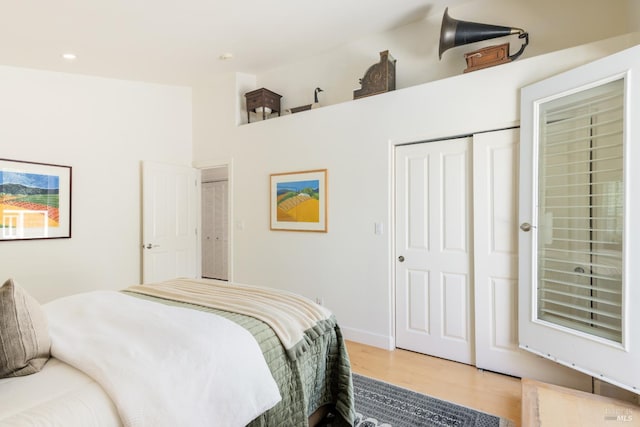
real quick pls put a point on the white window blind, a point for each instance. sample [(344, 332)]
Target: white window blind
[(580, 211)]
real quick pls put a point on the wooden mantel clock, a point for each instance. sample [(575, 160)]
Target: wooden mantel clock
[(379, 78)]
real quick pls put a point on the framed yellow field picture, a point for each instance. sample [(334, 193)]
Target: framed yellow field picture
[(299, 201)]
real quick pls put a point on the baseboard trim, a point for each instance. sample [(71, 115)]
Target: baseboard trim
[(368, 338)]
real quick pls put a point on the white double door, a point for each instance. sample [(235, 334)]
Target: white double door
[(457, 254)]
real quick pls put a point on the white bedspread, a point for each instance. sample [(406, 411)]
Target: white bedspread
[(163, 365)]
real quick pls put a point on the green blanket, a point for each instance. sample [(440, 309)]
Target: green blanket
[(320, 376)]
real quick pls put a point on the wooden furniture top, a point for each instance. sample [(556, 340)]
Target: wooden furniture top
[(262, 98), (551, 405)]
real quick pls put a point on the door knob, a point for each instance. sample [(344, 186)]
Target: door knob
[(401, 258), (525, 226), (149, 246)]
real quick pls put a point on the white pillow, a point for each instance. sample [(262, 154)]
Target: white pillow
[(24, 335)]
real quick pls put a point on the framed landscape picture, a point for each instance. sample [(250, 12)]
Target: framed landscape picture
[(35, 200), (299, 201)]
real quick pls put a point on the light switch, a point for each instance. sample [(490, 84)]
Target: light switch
[(378, 228)]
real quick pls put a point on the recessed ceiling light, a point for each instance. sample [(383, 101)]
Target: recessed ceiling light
[(226, 56), (69, 56)]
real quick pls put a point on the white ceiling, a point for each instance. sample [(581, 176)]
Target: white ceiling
[(180, 41)]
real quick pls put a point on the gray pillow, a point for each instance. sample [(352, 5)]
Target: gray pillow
[(24, 336)]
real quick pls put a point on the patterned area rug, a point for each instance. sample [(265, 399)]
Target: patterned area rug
[(380, 404)]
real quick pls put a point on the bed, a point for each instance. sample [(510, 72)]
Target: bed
[(291, 370)]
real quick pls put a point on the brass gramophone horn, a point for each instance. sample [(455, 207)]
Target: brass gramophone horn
[(456, 33)]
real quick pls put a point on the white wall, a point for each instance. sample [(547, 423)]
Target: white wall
[(350, 266), (552, 25), (103, 129)]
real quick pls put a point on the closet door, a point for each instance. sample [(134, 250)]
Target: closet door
[(214, 230), (495, 219), (579, 210), (434, 313)]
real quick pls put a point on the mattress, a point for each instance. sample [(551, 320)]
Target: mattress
[(57, 396)]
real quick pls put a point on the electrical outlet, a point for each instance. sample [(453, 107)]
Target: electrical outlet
[(319, 300)]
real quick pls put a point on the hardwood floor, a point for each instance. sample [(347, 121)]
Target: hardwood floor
[(465, 385)]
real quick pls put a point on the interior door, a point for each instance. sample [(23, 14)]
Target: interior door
[(580, 238), (169, 212), (434, 312), (214, 230), (495, 216)]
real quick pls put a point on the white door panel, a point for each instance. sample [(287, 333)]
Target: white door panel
[(418, 302), (454, 299), (454, 194), (433, 297), (169, 209)]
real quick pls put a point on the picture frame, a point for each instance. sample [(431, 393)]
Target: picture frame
[(299, 201), (35, 200)]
